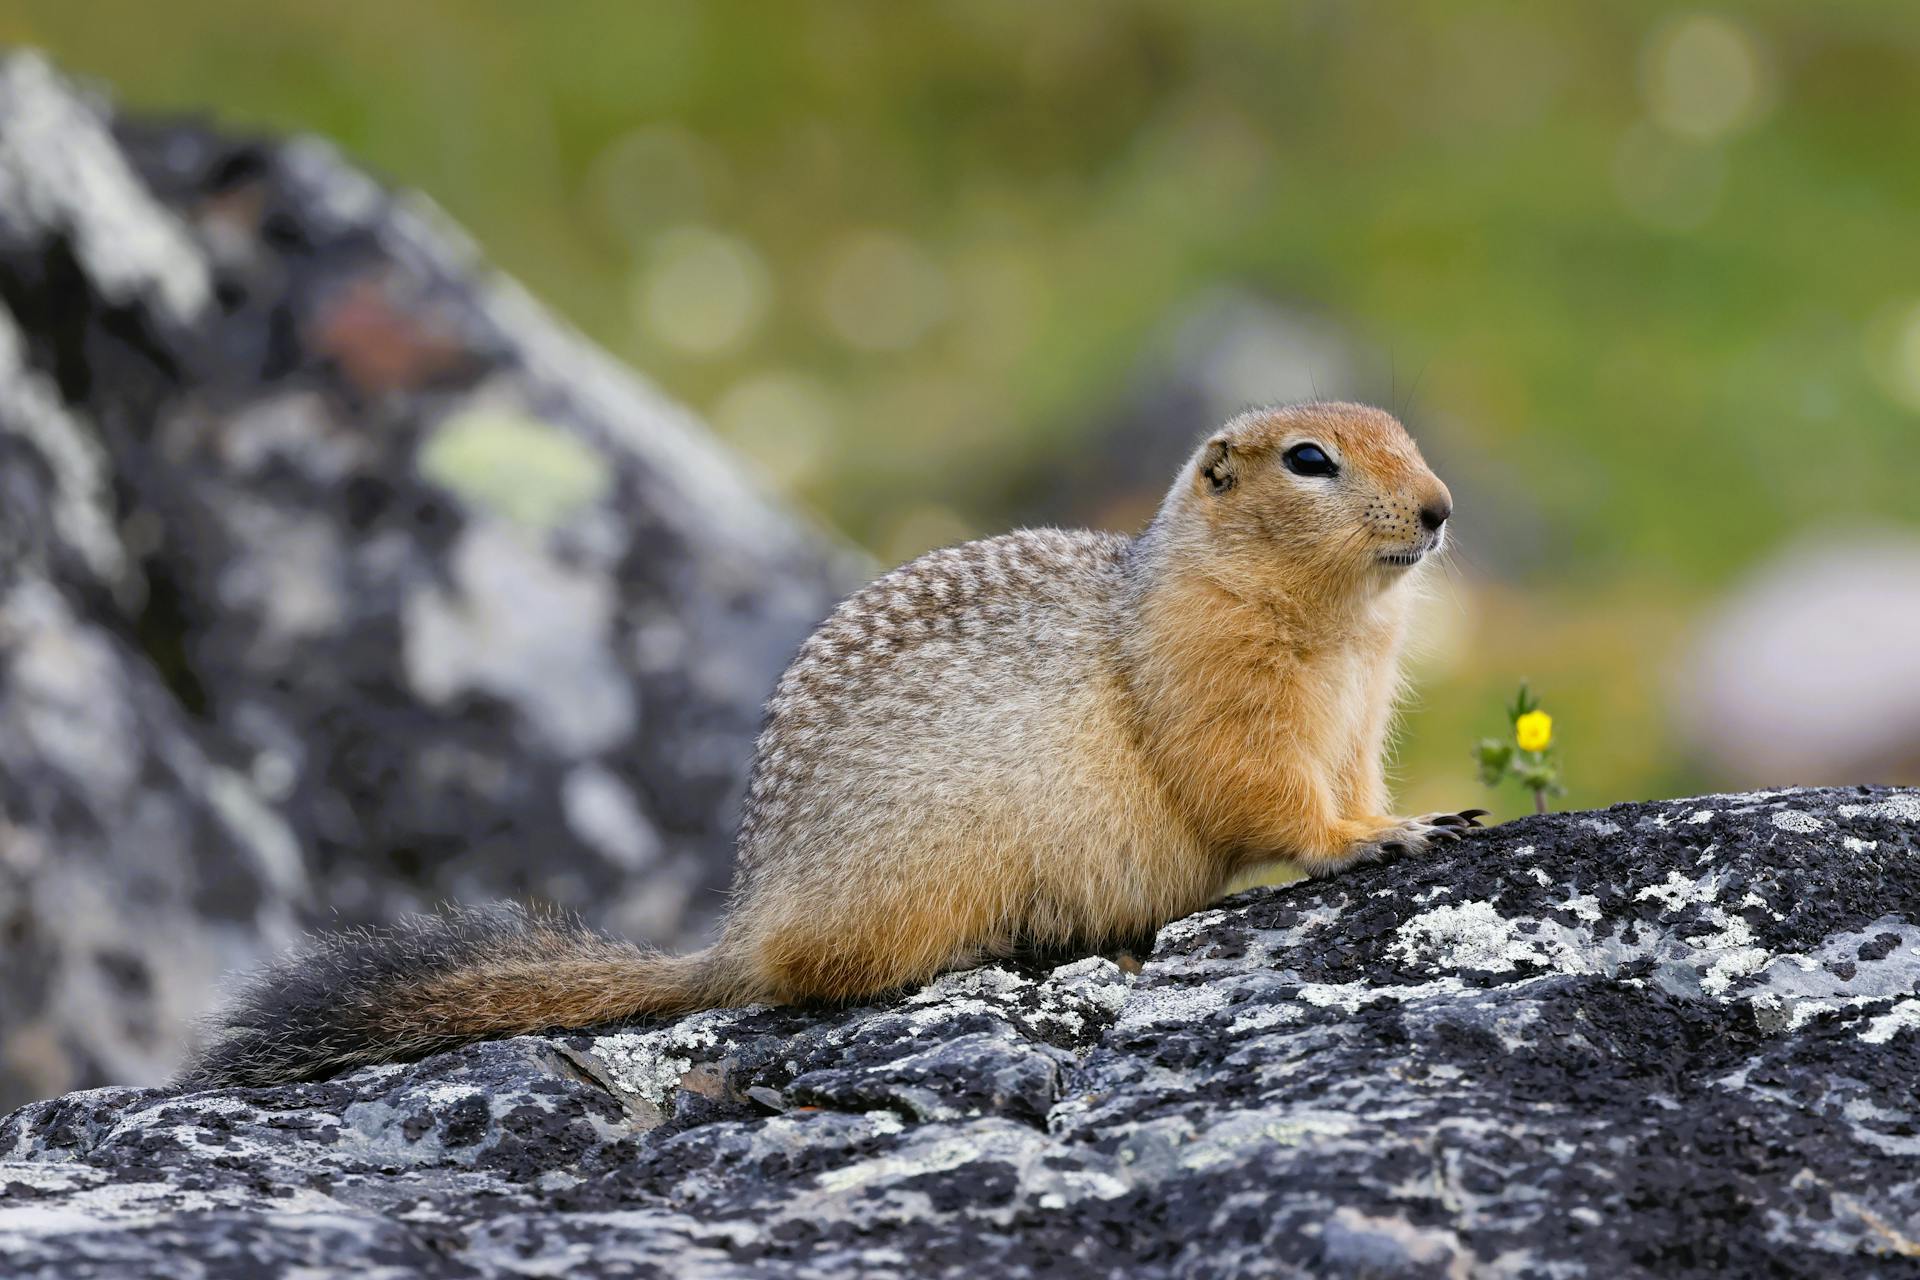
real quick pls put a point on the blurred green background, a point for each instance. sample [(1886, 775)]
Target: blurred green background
[(1644, 280)]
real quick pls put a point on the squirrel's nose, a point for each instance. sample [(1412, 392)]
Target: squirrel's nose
[(1435, 514)]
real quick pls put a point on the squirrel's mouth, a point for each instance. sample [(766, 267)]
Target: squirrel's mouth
[(1411, 556)]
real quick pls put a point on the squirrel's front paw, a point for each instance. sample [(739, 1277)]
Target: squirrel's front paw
[(1415, 835)]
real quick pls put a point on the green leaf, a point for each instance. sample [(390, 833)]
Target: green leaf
[(1493, 757)]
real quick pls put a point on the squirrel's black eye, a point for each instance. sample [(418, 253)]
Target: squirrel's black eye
[(1309, 460)]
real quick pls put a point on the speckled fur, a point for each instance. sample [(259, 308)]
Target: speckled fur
[(1049, 739)]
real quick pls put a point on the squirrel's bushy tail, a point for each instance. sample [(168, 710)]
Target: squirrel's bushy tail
[(435, 982)]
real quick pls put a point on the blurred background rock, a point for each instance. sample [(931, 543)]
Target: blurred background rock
[(1639, 276), (336, 579)]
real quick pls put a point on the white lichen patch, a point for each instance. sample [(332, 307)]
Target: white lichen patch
[(1735, 957), (1351, 996), (295, 427), (1095, 983), (987, 980), (1750, 799), (650, 1064), (1150, 1005), (82, 506), (292, 577), (1262, 1016), (1903, 1016), (1729, 951), (446, 1095), (1903, 807), (1584, 905), (1187, 928), (1854, 844), (1792, 988), (1475, 935), (62, 169), (65, 683), (528, 629), (937, 1157), (1700, 817), (1073, 997), (886, 1122), (1797, 821), (1678, 890)]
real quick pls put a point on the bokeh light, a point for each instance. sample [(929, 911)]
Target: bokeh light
[(783, 420), (1704, 77), (702, 292), (882, 292), (1895, 339)]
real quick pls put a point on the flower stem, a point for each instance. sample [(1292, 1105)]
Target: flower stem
[(1539, 799)]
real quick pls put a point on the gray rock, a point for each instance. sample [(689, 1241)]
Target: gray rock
[(1662, 1039), (341, 579), (134, 867)]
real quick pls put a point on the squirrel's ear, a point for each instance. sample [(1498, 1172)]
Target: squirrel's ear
[(1218, 466)]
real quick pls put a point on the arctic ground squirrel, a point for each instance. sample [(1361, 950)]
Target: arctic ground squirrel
[(1053, 741)]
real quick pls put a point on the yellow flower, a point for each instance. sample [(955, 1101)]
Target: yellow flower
[(1533, 731)]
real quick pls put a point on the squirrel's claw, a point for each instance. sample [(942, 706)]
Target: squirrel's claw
[(1456, 823), (1408, 835)]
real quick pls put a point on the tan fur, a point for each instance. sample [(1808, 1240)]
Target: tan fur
[(1046, 739), (564, 990)]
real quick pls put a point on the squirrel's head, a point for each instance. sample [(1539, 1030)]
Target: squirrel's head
[(1330, 498)]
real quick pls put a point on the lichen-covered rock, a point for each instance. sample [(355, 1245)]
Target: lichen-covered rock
[(134, 868), (341, 580), (1668, 1039)]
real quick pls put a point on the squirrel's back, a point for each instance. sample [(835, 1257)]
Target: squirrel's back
[(964, 643), (955, 740)]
